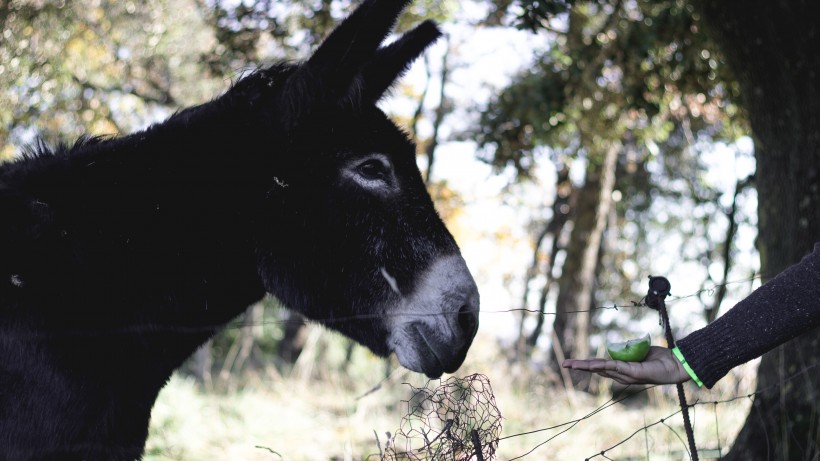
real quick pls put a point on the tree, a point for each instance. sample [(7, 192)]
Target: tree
[(772, 50), (575, 294), (624, 85), (763, 56), (552, 229)]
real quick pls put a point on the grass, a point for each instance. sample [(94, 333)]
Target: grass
[(320, 413)]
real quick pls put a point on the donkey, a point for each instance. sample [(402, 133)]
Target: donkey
[(120, 256)]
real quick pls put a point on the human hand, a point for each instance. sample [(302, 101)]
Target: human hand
[(659, 367)]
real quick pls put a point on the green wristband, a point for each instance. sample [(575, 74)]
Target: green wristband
[(679, 356)]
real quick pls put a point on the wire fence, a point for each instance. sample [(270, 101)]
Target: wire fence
[(240, 323), (458, 419), (638, 303), (429, 427)]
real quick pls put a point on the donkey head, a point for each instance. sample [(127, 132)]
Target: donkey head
[(358, 245)]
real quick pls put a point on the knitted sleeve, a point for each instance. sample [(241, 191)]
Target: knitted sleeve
[(783, 308)]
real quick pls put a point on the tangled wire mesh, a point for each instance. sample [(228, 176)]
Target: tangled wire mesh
[(457, 420)]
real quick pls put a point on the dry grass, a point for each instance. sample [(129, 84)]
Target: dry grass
[(321, 414)]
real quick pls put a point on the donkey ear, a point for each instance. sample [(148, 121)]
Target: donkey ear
[(392, 61), (340, 58)]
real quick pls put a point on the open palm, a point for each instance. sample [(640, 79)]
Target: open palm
[(659, 367)]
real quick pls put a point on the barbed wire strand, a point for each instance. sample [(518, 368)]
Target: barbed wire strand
[(750, 396), (692, 454), (447, 443), (614, 400), (614, 306), (239, 324), (644, 428)]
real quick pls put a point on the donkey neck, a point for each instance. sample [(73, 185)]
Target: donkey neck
[(172, 208)]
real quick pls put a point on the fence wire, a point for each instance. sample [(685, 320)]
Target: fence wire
[(432, 428), (239, 323), (457, 420)]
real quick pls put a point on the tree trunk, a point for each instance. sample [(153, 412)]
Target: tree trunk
[(441, 111), (245, 341), (521, 349), (293, 338), (560, 215), (572, 319), (772, 48), (711, 312), (203, 362)]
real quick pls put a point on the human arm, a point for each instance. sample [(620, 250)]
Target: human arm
[(783, 308)]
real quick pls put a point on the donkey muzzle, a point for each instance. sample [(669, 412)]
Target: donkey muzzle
[(436, 323)]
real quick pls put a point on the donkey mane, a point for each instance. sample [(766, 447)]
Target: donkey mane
[(41, 148)]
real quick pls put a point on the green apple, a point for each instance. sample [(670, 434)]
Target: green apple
[(634, 350)]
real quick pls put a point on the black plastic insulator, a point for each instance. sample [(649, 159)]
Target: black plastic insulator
[(658, 291)]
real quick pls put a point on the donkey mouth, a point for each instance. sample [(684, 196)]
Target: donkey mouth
[(434, 367), (420, 351)]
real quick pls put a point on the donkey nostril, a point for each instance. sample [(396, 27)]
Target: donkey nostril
[(468, 320)]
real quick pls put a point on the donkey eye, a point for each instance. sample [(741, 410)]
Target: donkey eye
[(374, 170)]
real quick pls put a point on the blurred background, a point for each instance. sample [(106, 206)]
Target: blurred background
[(573, 147)]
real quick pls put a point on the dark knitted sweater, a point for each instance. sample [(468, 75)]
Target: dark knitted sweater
[(783, 308)]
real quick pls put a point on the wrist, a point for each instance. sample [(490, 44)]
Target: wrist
[(688, 369)]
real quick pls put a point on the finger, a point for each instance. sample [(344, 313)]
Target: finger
[(602, 364), (588, 365)]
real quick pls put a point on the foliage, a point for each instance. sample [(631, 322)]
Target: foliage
[(97, 66), (104, 67), (643, 71), (642, 77)]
